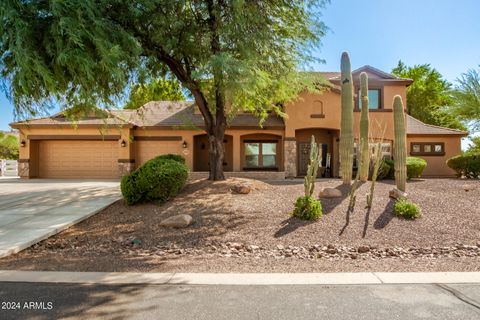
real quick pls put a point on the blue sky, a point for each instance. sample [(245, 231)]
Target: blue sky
[(444, 33)]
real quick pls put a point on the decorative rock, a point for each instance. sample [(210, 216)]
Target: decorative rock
[(280, 247), (241, 189), (178, 221), (330, 193), (397, 194), (468, 187), (363, 249)]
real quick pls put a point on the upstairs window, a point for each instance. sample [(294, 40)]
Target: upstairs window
[(373, 99)]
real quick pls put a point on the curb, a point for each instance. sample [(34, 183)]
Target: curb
[(360, 278)]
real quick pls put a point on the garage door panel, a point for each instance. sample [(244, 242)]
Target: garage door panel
[(146, 150), (78, 159)]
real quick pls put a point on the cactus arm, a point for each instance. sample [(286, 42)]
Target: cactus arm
[(399, 152), (364, 123), (346, 128)]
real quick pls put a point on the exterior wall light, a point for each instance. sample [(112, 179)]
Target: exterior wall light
[(23, 144), (184, 144), (123, 144)]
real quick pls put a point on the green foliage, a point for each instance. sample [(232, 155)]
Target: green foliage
[(467, 98), (406, 209), (309, 180), (467, 165), (386, 170), (158, 179), (156, 90), (346, 130), (428, 96), (307, 208), (86, 52), (415, 167), (8, 147), (474, 146)]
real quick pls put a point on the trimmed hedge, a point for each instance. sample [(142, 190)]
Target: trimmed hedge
[(415, 167), (467, 166), (158, 179)]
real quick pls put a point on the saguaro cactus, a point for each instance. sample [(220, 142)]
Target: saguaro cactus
[(364, 155), (312, 170), (400, 153), (346, 128)]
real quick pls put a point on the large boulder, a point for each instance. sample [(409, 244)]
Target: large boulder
[(330, 193), (397, 194), (241, 189), (178, 221)]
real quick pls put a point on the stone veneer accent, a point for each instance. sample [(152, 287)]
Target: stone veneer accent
[(125, 168), (290, 156), (260, 175), (24, 168)]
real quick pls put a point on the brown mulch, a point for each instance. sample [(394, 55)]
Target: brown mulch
[(254, 232)]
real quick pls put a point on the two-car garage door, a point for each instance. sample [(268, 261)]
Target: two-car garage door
[(77, 159)]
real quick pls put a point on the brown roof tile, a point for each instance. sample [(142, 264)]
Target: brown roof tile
[(417, 127)]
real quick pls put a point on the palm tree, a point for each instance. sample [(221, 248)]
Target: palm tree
[(467, 98)]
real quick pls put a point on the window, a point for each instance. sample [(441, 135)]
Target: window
[(427, 148), (373, 99), (260, 154)]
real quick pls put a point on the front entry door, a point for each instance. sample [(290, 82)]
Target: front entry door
[(303, 150)]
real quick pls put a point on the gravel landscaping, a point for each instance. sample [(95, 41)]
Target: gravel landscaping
[(254, 232)]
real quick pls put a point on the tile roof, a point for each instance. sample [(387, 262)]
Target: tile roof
[(182, 113), (59, 119), (415, 126)]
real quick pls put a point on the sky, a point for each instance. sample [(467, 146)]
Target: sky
[(444, 33)]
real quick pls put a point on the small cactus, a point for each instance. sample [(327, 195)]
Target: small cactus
[(309, 181), (346, 128), (399, 152), (364, 154)]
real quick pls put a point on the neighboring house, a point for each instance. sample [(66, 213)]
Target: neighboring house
[(116, 145)]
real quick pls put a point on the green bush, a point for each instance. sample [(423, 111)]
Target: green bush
[(467, 166), (415, 167), (385, 170), (307, 208), (158, 179), (171, 156), (406, 209)]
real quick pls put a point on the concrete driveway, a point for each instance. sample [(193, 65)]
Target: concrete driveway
[(32, 210)]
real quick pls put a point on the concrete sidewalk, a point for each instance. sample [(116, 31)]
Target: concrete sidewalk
[(33, 210)]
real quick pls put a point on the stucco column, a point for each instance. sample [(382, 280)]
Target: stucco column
[(126, 152), (290, 158)]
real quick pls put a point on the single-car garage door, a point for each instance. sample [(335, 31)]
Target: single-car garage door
[(78, 159), (146, 150)]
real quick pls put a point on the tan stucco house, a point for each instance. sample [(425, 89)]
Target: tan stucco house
[(113, 146)]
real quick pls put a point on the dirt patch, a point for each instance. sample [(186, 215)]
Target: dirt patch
[(255, 233)]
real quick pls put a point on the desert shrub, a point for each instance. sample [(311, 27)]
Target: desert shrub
[(467, 166), (415, 167), (307, 208), (384, 170), (406, 209), (158, 179)]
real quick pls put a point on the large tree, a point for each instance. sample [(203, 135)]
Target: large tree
[(243, 54), (428, 97), (8, 146), (467, 98), (154, 90)]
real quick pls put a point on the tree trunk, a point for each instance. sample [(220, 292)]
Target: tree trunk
[(216, 154)]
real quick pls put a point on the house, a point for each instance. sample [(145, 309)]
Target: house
[(114, 145)]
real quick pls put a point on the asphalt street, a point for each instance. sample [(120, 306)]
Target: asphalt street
[(78, 301)]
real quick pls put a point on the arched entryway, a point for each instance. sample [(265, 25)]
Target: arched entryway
[(326, 139), (200, 153)]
